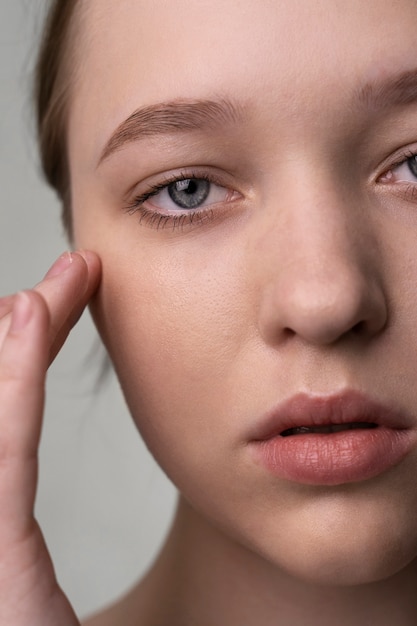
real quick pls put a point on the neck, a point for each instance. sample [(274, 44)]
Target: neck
[(206, 578)]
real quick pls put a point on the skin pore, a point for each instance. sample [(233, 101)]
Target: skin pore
[(297, 274)]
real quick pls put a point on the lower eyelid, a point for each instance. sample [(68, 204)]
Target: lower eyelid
[(154, 216)]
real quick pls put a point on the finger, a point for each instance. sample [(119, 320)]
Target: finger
[(32, 334), (66, 289), (23, 365), (6, 305)]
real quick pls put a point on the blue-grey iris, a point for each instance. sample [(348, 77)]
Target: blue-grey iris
[(189, 193)]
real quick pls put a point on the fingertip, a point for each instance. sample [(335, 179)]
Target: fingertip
[(61, 264), (84, 260), (92, 260)]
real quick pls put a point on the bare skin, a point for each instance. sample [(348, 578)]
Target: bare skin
[(297, 275), (33, 327), (202, 578)]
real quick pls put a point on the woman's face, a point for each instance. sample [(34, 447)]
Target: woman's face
[(279, 272)]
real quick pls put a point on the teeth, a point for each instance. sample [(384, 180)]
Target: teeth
[(331, 428)]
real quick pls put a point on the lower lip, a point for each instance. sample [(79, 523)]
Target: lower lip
[(335, 458)]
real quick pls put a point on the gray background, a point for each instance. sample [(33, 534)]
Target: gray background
[(103, 504)]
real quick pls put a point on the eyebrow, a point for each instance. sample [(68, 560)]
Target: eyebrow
[(176, 116), (179, 116), (393, 91)]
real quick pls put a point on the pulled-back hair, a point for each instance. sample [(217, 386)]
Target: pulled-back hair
[(51, 93)]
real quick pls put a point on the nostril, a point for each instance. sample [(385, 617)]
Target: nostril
[(359, 328), (322, 303), (288, 333)]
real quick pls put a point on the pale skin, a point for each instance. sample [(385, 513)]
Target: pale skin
[(298, 274)]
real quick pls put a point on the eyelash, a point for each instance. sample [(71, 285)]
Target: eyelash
[(159, 220), (403, 158)]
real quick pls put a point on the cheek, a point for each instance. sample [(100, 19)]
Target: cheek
[(174, 323)]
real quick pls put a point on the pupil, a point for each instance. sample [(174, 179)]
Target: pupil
[(412, 165), (190, 193)]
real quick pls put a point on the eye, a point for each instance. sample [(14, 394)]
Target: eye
[(187, 194), (405, 171), (183, 199)]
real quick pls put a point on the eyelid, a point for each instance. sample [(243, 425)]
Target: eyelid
[(402, 188), (394, 160), (138, 196), (159, 218)]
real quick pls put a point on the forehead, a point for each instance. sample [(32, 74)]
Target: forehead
[(278, 54)]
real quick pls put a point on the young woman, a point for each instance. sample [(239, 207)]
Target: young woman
[(241, 178)]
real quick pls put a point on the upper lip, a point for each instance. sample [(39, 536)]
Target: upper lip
[(320, 410)]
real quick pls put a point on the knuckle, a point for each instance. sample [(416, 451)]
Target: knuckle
[(40, 305), (16, 453), (10, 374)]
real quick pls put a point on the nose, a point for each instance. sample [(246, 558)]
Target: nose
[(324, 280)]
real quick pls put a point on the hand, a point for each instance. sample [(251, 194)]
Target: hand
[(33, 326)]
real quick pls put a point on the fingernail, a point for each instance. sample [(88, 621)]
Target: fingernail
[(21, 313), (60, 265)]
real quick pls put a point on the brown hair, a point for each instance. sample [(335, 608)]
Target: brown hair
[(51, 94)]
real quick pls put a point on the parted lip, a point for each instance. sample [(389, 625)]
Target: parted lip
[(319, 410)]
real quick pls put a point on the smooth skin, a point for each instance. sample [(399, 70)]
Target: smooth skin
[(33, 326), (300, 277)]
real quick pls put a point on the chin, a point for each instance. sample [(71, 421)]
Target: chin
[(336, 537), (349, 552), (343, 569)]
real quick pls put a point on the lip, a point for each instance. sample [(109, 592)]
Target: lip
[(332, 458)]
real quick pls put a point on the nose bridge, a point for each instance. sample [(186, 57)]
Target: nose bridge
[(324, 280)]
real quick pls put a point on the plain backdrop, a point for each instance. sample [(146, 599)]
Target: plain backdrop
[(102, 502)]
